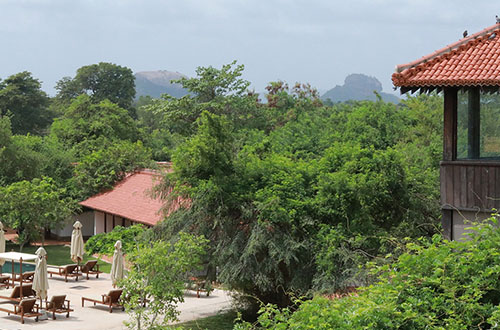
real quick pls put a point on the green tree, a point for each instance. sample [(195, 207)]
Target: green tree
[(85, 125), (100, 169), (434, 284), (218, 91), (303, 207), (22, 99), (102, 81), (31, 207), (158, 276)]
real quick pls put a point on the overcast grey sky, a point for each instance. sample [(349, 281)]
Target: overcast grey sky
[(315, 41)]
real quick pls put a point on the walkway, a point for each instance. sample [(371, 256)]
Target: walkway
[(92, 318)]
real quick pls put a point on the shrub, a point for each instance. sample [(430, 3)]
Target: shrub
[(103, 243), (434, 285)]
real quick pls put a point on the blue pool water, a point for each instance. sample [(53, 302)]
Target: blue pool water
[(7, 267)]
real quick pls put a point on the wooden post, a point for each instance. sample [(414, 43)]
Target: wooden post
[(21, 274), (449, 148), (473, 124), (447, 223), (450, 124)]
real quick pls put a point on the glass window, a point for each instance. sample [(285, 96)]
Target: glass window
[(489, 147)]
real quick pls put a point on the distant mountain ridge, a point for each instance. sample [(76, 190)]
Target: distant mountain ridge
[(156, 83), (358, 87)]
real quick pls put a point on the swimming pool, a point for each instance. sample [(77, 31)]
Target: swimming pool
[(7, 267)]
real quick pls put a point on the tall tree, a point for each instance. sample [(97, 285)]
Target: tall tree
[(32, 207), (218, 91), (85, 122), (22, 99), (103, 81)]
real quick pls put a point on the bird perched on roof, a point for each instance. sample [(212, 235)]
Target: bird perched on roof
[(498, 19), (465, 34)]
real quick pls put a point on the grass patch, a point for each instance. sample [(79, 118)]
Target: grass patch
[(58, 255), (223, 321)]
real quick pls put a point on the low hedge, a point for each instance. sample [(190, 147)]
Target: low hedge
[(103, 243)]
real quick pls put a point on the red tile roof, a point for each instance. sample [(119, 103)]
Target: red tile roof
[(131, 199), (471, 61)]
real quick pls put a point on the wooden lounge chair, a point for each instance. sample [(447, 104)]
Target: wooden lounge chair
[(112, 299), (15, 295), (26, 277), (66, 271), (58, 304), (4, 281), (25, 308), (90, 267)]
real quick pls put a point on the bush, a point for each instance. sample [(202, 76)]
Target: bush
[(434, 285), (103, 243)]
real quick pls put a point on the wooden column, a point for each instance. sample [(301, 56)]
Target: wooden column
[(450, 124), (447, 223), (473, 124), (449, 150)]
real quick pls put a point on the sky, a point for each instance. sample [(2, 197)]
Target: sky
[(312, 41)]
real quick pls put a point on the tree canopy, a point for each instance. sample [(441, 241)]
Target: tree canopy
[(102, 81), (22, 99)]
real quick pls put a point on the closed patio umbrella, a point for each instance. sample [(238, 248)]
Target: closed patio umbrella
[(117, 268), (2, 244), (40, 280), (77, 242)]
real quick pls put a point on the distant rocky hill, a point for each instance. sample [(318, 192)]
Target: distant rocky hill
[(156, 83), (358, 87)]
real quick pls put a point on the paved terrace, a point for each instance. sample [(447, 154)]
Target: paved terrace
[(98, 317)]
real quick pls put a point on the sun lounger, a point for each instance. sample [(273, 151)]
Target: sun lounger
[(58, 304), (90, 267), (66, 271), (25, 308), (112, 299), (26, 277), (4, 281), (15, 294)]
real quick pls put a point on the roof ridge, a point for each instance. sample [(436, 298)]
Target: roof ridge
[(449, 48)]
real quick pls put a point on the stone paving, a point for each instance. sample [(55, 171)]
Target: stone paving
[(98, 317)]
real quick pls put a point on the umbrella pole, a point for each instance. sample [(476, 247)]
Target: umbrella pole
[(21, 276), (12, 274)]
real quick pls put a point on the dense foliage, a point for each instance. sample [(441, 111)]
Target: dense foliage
[(31, 207), (104, 243), (79, 143), (22, 99), (433, 285), (158, 277), (299, 201), (293, 195)]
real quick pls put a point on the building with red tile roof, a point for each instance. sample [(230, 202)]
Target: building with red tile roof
[(466, 72), (471, 61), (129, 202), (130, 199)]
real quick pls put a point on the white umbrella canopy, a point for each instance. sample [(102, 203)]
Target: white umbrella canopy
[(117, 268), (2, 243), (77, 242), (40, 279)]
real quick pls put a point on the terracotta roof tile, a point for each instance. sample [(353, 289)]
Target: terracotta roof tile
[(131, 199), (472, 61)]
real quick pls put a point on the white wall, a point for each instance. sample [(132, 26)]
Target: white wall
[(98, 222), (462, 220), (87, 220)]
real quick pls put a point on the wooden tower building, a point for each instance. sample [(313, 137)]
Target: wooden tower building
[(467, 72)]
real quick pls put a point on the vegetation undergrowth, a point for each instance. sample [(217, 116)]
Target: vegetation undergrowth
[(435, 284)]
